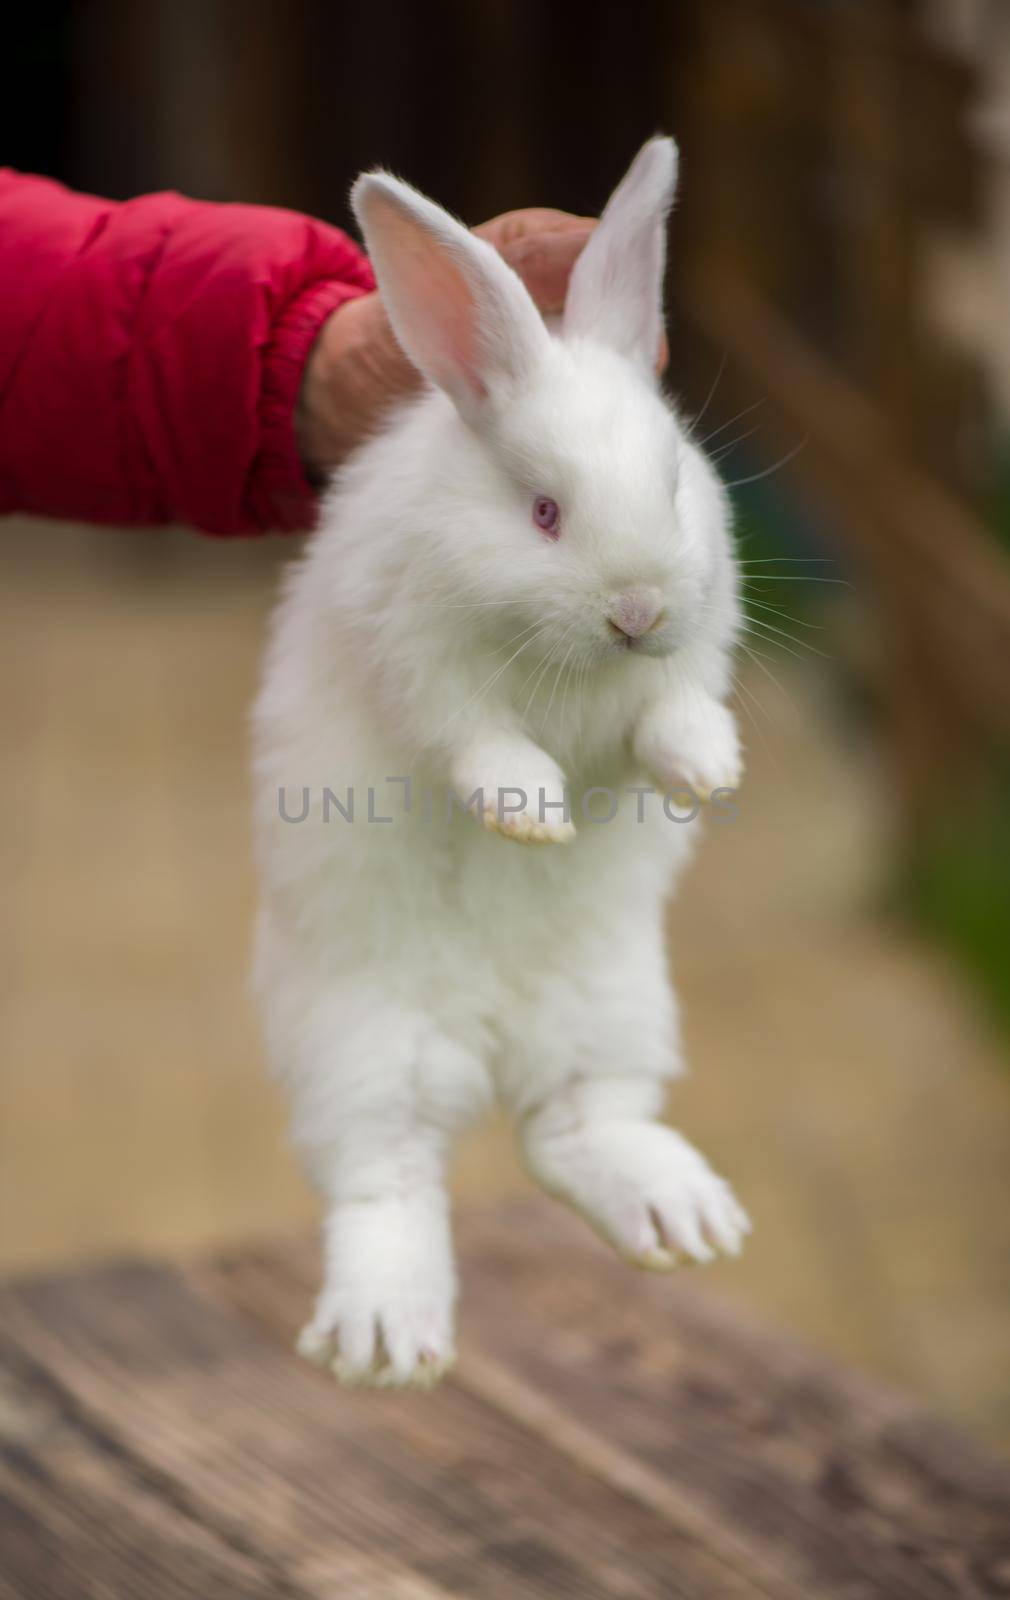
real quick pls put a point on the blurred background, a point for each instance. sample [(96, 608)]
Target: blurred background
[(840, 326)]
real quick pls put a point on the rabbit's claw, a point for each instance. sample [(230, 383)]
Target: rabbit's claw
[(648, 1191), (527, 829)]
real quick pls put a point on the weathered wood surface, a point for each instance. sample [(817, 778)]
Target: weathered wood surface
[(606, 1435)]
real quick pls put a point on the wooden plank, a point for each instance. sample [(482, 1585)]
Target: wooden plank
[(254, 1445), (273, 1294), (844, 1487), (829, 1485), (607, 1435), (79, 1517)]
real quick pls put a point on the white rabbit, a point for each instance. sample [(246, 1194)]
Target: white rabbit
[(525, 582)]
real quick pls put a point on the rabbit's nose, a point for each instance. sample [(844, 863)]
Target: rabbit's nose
[(636, 611)]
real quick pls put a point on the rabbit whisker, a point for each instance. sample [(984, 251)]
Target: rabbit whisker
[(727, 449), (485, 686), (751, 580), (711, 393), (554, 651), (781, 633), (759, 659), (747, 700), (557, 680), (786, 615), (755, 477), (738, 418)]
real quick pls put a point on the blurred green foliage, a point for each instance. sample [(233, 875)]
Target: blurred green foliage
[(960, 891)]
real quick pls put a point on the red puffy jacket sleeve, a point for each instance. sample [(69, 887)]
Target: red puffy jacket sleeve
[(151, 354)]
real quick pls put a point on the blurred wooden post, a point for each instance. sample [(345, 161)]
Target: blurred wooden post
[(809, 136)]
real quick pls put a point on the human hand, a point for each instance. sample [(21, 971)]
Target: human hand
[(356, 367)]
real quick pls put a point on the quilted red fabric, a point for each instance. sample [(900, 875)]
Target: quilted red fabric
[(151, 353)]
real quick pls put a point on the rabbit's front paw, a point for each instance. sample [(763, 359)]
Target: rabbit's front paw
[(649, 1192), (694, 746), (535, 817), (384, 1317), (522, 794)]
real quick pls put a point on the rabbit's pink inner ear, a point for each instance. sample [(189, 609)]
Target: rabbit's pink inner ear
[(430, 301), (459, 343), (462, 316)]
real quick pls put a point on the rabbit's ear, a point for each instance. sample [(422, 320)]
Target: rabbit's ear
[(463, 317), (615, 295)]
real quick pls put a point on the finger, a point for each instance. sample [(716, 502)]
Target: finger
[(514, 225), (543, 246), (544, 261)]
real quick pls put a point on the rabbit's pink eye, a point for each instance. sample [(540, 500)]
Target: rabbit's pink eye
[(547, 516)]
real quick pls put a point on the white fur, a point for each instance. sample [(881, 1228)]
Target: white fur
[(411, 971)]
